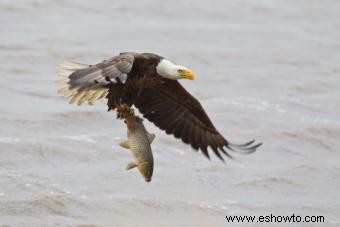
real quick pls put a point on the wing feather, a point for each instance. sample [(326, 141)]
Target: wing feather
[(82, 83), (171, 108), (186, 132)]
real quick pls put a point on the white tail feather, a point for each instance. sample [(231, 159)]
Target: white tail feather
[(74, 96), (73, 66)]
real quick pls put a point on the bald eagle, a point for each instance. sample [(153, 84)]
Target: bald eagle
[(150, 83)]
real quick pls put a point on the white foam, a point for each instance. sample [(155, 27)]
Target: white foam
[(82, 137), (9, 140)]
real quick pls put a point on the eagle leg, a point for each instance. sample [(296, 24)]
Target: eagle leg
[(124, 111)]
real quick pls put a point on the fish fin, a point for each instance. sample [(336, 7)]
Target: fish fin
[(125, 144), (151, 137), (131, 165)]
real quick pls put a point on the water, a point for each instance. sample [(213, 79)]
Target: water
[(265, 70)]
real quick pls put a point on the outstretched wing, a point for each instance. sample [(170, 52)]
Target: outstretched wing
[(82, 83), (171, 108)]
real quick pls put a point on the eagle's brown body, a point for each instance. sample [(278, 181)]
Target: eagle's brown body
[(142, 76)]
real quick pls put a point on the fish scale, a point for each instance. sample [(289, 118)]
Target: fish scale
[(140, 146)]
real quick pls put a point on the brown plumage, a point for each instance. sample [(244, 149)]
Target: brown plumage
[(132, 79)]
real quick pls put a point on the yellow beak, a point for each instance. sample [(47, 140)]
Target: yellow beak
[(188, 74)]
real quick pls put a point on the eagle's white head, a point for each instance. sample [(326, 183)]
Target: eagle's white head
[(167, 69)]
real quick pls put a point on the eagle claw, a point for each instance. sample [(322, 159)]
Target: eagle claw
[(124, 111)]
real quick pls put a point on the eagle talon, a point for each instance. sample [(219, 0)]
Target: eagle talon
[(124, 111)]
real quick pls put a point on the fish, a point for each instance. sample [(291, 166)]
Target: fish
[(139, 142)]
